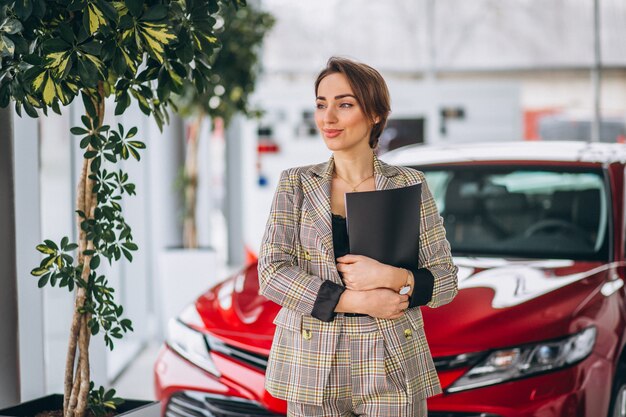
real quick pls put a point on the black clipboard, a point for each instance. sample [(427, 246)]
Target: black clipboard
[(385, 225)]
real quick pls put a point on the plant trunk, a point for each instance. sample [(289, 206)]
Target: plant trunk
[(76, 391), (190, 229)]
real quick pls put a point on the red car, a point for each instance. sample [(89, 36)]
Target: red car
[(537, 329)]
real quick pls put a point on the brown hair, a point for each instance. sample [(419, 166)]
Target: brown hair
[(368, 86)]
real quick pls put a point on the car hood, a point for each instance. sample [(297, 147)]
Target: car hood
[(500, 303), (510, 302)]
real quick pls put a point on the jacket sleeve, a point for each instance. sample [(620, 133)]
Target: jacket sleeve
[(281, 280), (436, 279)]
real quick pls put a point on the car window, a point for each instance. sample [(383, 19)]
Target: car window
[(523, 211)]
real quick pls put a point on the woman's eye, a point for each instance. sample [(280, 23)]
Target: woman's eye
[(346, 105), (319, 106)]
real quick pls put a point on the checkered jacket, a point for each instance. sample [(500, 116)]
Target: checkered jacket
[(296, 256)]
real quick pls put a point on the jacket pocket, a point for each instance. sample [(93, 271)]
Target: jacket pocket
[(299, 361), (289, 320)]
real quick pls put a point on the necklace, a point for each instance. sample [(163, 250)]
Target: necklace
[(354, 187)]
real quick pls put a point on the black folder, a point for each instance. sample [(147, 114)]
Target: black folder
[(385, 225)]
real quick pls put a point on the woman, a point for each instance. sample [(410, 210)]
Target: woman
[(349, 340)]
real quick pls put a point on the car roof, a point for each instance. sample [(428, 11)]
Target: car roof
[(558, 151)]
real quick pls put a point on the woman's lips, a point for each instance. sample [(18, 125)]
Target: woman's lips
[(332, 133)]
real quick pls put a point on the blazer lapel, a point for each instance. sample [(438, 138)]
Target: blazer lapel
[(316, 183), (386, 176)]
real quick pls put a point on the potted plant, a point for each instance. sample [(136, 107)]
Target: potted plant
[(235, 67), (50, 53)]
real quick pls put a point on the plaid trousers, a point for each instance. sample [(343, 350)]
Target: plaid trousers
[(365, 379)]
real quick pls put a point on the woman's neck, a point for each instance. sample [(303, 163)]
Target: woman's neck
[(354, 167)]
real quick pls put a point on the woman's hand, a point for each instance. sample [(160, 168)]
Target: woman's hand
[(384, 303), (361, 273)]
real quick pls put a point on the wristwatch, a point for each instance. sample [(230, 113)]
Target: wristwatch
[(406, 288)]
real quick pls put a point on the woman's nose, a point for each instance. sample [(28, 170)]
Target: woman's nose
[(330, 116)]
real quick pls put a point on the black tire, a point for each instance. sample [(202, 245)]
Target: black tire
[(617, 407)]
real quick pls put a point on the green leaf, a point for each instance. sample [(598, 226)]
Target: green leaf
[(92, 47), (132, 132), (110, 157), (87, 122), (109, 11), (38, 271), (93, 19), (155, 13), (12, 26), (126, 324), (213, 6), (95, 165), (135, 7), (23, 9), (78, 131), (43, 281), (185, 53), (7, 47), (84, 143), (56, 108), (5, 94), (95, 329), (123, 102), (89, 105), (137, 144), (119, 63), (55, 45), (67, 34), (118, 401), (34, 59), (64, 242), (88, 72), (127, 255), (45, 249), (94, 263), (51, 244)]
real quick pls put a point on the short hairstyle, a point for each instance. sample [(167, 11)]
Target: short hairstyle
[(368, 86)]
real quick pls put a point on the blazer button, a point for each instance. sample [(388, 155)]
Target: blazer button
[(408, 333), (306, 334)]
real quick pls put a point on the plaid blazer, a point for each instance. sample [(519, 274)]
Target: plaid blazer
[(297, 255)]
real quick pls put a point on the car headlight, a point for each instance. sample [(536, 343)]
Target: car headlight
[(522, 361), (191, 345)]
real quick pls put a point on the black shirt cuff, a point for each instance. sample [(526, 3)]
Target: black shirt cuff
[(327, 300), (424, 281)]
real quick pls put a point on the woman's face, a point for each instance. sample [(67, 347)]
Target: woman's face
[(339, 117)]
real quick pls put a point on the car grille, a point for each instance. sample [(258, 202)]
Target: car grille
[(253, 359), (445, 414), (195, 404), (260, 361)]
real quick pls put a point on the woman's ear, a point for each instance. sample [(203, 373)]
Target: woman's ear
[(376, 120)]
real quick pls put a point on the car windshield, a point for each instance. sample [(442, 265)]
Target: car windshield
[(530, 212)]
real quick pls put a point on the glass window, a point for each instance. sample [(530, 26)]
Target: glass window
[(530, 212)]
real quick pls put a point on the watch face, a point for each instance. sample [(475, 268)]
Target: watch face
[(405, 289)]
